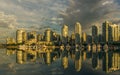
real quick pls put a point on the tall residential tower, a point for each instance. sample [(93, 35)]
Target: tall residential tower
[(78, 32), (113, 33), (64, 34), (21, 36), (95, 33), (105, 32), (64, 31)]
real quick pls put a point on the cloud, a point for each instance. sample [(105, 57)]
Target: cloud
[(107, 2), (7, 21), (8, 26), (89, 12), (33, 12), (116, 21), (56, 19)]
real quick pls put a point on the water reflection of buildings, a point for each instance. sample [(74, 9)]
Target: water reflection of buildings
[(111, 61), (95, 60), (78, 60), (65, 59), (29, 46)]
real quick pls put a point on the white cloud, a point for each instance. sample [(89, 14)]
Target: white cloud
[(7, 21), (107, 2), (19, 0), (29, 12), (56, 19)]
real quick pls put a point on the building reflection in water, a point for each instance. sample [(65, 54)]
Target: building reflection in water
[(95, 60), (78, 60), (96, 53), (111, 61), (65, 59)]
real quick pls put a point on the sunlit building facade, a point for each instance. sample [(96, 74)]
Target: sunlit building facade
[(105, 28), (39, 37), (113, 33), (78, 28), (64, 34), (84, 37), (24, 36), (64, 31), (20, 36), (78, 31), (48, 35)]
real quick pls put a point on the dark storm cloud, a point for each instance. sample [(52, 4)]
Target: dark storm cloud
[(89, 12), (118, 1)]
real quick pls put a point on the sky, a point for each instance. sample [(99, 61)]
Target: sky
[(42, 14)]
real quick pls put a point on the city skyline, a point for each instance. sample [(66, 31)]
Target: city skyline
[(59, 37), (41, 14), (110, 33)]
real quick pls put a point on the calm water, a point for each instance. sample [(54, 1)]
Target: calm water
[(8, 66)]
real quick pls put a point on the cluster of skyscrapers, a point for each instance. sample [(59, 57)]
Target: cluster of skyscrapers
[(32, 37), (79, 45), (110, 33)]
